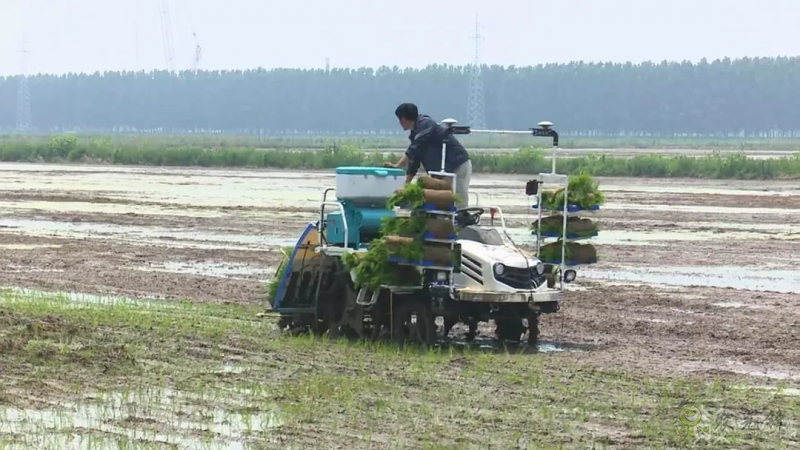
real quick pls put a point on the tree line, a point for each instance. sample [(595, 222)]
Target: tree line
[(748, 97)]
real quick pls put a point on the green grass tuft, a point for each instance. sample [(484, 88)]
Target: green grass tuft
[(527, 160), (190, 375)]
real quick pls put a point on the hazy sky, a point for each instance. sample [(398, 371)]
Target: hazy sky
[(89, 35)]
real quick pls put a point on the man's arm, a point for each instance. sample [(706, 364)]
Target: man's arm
[(413, 167), (414, 151)]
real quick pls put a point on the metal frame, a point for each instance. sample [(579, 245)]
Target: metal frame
[(449, 130), (320, 227), (544, 130)]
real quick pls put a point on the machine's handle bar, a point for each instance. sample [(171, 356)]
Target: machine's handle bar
[(340, 207), (536, 132), (544, 130), (322, 211), (477, 198)]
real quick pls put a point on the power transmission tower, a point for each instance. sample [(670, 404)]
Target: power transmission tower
[(198, 51), (24, 121), (475, 114), (198, 54), (166, 35)]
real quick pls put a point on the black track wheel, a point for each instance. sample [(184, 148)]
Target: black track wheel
[(449, 323), (509, 330), (533, 329), (284, 322), (413, 321)]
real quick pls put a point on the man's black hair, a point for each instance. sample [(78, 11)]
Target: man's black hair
[(407, 111)]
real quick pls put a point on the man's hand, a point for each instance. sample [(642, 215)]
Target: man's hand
[(402, 163)]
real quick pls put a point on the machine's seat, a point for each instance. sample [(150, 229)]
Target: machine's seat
[(483, 235)]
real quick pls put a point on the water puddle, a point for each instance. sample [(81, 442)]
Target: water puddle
[(153, 416), (219, 270), (14, 268), (783, 281), (109, 208), (138, 234), (787, 391), (647, 319), (697, 190), (10, 294), (232, 368), (491, 344), (771, 374), (736, 305), (652, 238), (699, 209), (27, 246), (180, 188), (247, 187)]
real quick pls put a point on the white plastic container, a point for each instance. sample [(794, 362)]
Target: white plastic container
[(368, 184)]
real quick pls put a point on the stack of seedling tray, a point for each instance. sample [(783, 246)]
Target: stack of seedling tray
[(421, 238), (583, 198)]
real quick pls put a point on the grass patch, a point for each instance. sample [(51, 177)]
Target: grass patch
[(400, 141), (528, 160), (203, 374)]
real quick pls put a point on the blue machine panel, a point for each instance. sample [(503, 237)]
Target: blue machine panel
[(360, 221)]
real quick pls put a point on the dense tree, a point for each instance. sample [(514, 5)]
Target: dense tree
[(750, 96)]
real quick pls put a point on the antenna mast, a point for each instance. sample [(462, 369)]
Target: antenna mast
[(24, 121), (475, 114), (166, 35)]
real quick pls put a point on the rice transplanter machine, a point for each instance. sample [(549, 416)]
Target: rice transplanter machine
[(491, 278)]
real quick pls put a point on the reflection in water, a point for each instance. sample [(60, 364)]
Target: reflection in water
[(149, 416), (784, 281)]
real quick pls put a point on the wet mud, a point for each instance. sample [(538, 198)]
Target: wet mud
[(694, 276)]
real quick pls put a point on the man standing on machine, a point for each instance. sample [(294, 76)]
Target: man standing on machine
[(427, 138)]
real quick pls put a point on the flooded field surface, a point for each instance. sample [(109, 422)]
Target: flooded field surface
[(695, 277)]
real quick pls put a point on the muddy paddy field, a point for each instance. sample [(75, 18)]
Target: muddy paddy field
[(130, 301)]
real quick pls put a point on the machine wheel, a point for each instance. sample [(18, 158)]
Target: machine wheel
[(533, 329), (284, 322), (449, 323), (509, 330), (414, 322), (333, 300)]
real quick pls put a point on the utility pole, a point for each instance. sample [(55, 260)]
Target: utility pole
[(24, 121), (476, 117)]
